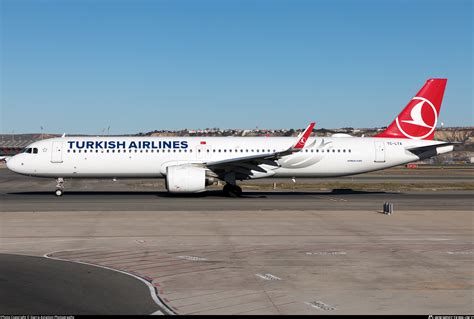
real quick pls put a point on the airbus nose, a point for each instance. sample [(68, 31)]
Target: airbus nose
[(13, 164)]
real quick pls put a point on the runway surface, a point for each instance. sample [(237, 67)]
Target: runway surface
[(21, 193), (265, 262), (284, 251), (215, 201), (35, 285)]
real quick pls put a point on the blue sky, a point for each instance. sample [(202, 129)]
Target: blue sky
[(82, 66)]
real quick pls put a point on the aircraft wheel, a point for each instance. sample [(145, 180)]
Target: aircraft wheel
[(232, 190), (237, 191), (59, 192), (226, 189)]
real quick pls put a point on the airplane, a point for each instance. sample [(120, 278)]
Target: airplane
[(190, 164)]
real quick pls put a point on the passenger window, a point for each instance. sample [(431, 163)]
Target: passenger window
[(339, 151), (35, 151), (69, 151)]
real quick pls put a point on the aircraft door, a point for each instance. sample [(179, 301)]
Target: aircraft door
[(57, 152), (379, 152)]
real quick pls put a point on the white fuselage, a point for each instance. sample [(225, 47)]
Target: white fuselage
[(148, 157)]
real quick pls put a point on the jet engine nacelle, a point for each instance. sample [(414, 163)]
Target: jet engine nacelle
[(185, 179)]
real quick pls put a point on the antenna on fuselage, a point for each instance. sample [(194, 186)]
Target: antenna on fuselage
[(64, 135)]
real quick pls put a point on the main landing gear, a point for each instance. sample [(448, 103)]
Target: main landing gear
[(59, 186), (232, 190)]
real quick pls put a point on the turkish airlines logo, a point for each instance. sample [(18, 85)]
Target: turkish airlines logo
[(420, 121)]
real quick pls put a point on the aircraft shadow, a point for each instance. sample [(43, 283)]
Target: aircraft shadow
[(209, 193)]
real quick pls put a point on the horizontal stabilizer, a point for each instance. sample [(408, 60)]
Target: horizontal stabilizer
[(432, 150)]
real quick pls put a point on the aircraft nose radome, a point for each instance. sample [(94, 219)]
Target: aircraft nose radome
[(12, 164)]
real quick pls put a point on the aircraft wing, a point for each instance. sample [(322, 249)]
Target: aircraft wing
[(243, 166)]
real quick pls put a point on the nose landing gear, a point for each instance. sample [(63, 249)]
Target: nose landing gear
[(59, 186)]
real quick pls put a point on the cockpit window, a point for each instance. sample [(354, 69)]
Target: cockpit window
[(31, 150)]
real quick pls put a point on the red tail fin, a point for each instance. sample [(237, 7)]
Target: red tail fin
[(418, 119)]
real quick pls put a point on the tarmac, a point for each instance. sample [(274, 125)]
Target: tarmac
[(34, 285), (270, 252)]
